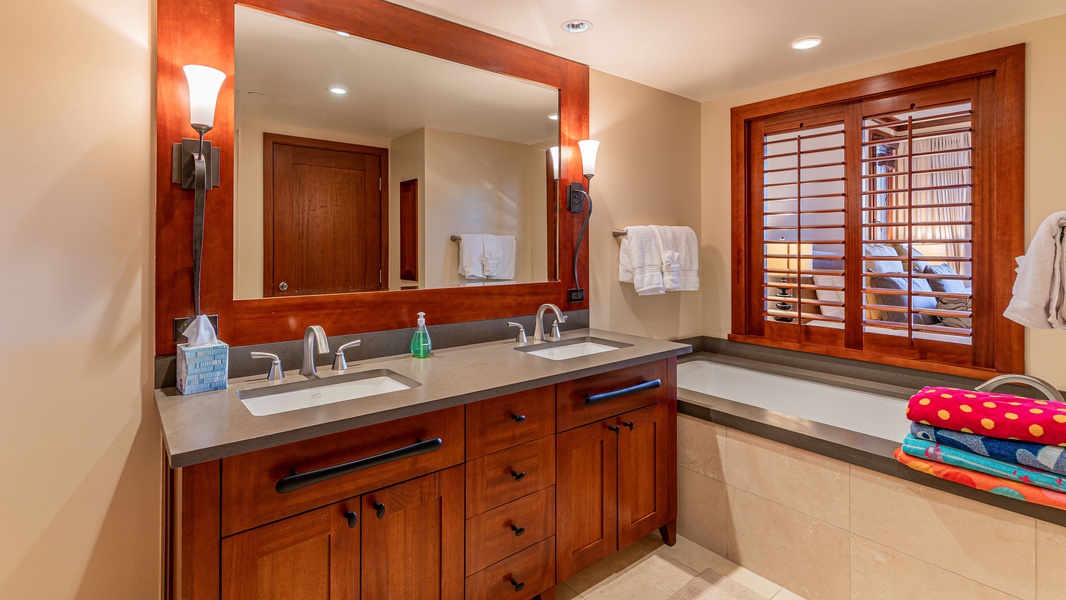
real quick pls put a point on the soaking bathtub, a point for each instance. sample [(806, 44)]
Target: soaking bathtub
[(861, 412)]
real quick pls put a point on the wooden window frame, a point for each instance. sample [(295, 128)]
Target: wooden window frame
[(1000, 350)]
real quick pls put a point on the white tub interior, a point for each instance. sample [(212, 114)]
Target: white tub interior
[(879, 416)]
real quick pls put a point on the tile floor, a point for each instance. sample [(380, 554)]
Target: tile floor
[(651, 570)]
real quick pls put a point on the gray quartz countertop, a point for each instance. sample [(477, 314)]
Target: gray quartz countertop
[(213, 425)]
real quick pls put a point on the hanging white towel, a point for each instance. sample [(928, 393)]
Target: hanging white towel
[(640, 262), (471, 249), (680, 258), (1040, 290), (502, 256)]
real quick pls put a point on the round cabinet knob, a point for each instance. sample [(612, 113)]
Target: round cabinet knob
[(518, 418), (518, 585), (283, 286), (518, 476), (353, 519), (379, 509), (517, 530)]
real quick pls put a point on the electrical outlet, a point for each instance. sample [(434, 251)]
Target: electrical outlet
[(575, 295), (181, 324)]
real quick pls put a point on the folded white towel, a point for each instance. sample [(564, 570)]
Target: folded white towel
[(499, 258), (680, 258), (471, 249), (640, 262), (1040, 290)]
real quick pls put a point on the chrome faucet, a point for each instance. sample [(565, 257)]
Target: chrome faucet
[(538, 333), (1042, 386), (314, 339)]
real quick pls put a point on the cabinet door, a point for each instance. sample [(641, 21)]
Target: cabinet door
[(647, 471), (413, 539), (311, 556), (586, 496)]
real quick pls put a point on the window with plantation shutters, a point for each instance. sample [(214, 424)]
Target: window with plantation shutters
[(884, 226)]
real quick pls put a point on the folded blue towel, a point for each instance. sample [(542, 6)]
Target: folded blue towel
[(982, 464), (1027, 454)]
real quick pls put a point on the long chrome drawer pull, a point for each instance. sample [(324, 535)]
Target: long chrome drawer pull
[(301, 480), (640, 387)]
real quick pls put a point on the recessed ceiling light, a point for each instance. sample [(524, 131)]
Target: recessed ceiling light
[(806, 43), (553, 117), (338, 90), (344, 34), (577, 26)]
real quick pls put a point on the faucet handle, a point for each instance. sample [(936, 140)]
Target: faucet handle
[(555, 335), (275, 373), (339, 364), (521, 336)]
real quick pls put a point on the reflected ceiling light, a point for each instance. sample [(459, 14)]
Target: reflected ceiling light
[(553, 117), (338, 90), (577, 26), (344, 34), (807, 43)]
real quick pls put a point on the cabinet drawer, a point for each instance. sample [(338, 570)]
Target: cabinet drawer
[(510, 420), (507, 475), (250, 495), (578, 403), (507, 529), (532, 569)]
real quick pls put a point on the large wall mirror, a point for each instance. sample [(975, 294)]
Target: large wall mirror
[(339, 124), (469, 156)]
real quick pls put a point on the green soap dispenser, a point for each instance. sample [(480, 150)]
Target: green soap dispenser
[(420, 343)]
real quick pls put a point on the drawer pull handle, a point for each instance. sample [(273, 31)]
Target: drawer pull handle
[(518, 418), (379, 508), (518, 585), (591, 399), (517, 530), (518, 476), (629, 425), (301, 480), (353, 519)]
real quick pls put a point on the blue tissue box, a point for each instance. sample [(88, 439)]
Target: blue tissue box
[(202, 369)]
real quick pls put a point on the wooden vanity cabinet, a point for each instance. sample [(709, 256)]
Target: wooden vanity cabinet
[(616, 476)]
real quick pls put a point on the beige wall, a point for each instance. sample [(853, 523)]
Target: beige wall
[(828, 530), (647, 173), (407, 161), (1044, 130), (79, 439)]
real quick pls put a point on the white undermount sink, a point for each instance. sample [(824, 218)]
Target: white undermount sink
[(327, 390), (575, 348)]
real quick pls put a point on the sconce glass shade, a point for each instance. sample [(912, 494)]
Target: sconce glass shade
[(588, 156), (555, 161), (204, 83)]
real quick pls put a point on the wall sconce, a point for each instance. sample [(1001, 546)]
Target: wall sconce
[(577, 198), (194, 163), (555, 161)]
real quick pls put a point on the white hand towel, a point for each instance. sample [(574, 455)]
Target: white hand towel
[(640, 262), (490, 259), (681, 258), (471, 249), (1040, 290), (505, 257)]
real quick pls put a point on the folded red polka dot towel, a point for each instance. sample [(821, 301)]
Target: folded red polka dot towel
[(996, 415)]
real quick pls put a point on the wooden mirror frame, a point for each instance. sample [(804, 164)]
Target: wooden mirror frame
[(201, 32)]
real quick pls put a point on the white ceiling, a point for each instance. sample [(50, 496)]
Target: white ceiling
[(706, 49)]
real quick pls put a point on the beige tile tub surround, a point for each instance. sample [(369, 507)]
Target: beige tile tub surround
[(987, 544), (881, 573), (1050, 561), (827, 529)]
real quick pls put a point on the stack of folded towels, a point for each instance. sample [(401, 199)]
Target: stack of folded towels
[(1004, 444)]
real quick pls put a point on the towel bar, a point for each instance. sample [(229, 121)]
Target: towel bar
[(456, 238), (618, 233)]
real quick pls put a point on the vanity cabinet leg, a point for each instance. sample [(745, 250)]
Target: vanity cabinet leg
[(669, 532)]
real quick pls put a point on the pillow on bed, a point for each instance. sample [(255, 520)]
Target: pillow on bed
[(900, 283), (955, 304), (951, 286), (878, 265), (829, 281), (918, 266)]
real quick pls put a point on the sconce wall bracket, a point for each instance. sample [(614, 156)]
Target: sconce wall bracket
[(183, 163), (575, 194)]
